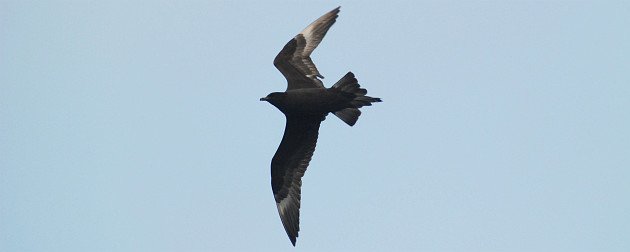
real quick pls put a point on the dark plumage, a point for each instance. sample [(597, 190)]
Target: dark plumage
[(305, 103)]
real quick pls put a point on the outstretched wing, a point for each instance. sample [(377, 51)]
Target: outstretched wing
[(294, 60), (288, 166)]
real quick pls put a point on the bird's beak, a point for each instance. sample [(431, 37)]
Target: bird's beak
[(263, 99)]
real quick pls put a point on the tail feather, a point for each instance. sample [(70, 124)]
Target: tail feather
[(348, 115), (349, 85)]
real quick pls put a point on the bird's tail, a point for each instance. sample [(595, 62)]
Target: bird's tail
[(349, 86)]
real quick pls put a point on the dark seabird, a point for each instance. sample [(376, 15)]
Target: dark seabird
[(305, 103)]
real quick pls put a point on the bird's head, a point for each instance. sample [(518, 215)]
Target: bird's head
[(274, 98)]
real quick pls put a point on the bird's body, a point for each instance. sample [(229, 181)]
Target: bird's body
[(305, 103), (312, 101)]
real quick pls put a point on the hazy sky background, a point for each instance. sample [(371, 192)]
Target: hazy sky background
[(136, 126)]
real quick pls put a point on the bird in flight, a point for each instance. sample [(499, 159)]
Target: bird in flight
[(305, 103)]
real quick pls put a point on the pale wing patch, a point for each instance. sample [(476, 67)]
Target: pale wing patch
[(315, 32)]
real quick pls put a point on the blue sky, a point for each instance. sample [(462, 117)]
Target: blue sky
[(136, 126)]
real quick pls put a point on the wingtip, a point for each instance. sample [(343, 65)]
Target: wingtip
[(293, 240), (336, 10)]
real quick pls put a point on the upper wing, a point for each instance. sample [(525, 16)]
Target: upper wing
[(288, 166), (294, 60)]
